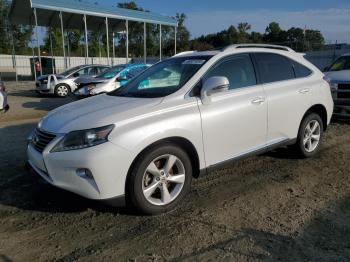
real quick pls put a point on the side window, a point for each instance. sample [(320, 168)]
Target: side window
[(300, 70), (92, 71), (136, 71), (100, 70), (83, 71), (238, 69), (273, 67)]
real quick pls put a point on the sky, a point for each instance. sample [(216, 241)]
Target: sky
[(331, 17)]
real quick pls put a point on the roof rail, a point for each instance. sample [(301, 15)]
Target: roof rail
[(185, 53), (267, 46)]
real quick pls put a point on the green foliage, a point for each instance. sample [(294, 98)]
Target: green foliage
[(297, 38), (21, 35)]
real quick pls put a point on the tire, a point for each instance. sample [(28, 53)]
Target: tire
[(62, 90), (308, 143), (150, 179)]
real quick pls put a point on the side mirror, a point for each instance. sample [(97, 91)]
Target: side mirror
[(213, 85)]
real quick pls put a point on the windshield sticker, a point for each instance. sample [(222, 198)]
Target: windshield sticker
[(193, 62)]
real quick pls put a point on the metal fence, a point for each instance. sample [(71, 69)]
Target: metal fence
[(20, 66)]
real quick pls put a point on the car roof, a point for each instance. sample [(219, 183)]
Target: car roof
[(347, 54)]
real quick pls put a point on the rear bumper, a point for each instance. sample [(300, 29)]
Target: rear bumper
[(43, 89)]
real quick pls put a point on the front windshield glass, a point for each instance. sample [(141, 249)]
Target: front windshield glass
[(163, 78), (342, 63), (71, 70), (111, 72)]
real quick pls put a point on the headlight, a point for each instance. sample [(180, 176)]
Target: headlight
[(83, 139)]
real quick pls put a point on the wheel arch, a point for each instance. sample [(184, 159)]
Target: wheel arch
[(321, 111), (182, 142)]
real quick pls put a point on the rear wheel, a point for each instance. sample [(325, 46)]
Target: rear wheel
[(310, 135), (160, 179), (62, 90)]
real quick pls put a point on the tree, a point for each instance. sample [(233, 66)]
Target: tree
[(243, 35), (297, 38), (21, 35), (183, 35), (314, 40), (273, 33), (255, 37)]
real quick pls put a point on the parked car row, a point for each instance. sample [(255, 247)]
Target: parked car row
[(109, 80), (144, 142), (87, 80)]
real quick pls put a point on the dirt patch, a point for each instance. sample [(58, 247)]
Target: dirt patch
[(269, 207)]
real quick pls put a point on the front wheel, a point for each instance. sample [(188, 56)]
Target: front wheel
[(310, 136), (160, 179), (62, 90)]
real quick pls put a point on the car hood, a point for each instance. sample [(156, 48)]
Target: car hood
[(95, 112), (338, 76)]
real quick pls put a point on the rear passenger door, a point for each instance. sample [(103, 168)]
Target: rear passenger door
[(288, 96), (234, 123)]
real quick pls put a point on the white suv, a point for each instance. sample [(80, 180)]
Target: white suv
[(182, 117)]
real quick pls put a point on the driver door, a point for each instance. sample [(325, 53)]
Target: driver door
[(234, 123)]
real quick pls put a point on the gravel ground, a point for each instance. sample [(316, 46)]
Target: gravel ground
[(269, 207)]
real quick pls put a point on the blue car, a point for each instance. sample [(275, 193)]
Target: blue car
[(108, 81)]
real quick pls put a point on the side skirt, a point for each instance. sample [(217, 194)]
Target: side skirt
[(268, 148)]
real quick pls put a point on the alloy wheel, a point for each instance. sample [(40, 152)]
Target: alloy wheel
[(163, 180), (312, 136)]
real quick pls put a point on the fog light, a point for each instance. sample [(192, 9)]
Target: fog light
[(84, 173)]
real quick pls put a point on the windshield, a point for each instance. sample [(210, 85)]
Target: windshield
[(163, 78), (71, 70), (342, 63), (111, 72)]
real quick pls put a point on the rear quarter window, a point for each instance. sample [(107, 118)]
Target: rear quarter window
[(273, 67), (300, 70)]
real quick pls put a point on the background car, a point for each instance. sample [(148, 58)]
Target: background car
[(338, 75), (63, 84), (3, 98), (108, 81)]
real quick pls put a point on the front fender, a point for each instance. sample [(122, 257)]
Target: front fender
[(179, 121)]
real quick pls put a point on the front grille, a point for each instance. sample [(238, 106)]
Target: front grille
[(343, 86), (41, 139), (344, 95)]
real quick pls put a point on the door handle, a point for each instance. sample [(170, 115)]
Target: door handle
[(304, 91), (258, 100)]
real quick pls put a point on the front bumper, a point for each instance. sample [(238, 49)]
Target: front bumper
[(341, 107), (108, 164)]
